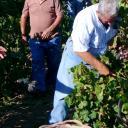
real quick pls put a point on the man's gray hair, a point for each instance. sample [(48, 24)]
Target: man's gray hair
[(109, 7)]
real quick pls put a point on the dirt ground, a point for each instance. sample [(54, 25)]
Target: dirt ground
[(26, 111)]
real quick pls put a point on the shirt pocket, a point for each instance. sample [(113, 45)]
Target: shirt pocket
[(98, 42)]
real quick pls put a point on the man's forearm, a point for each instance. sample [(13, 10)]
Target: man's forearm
[(56, 23), (23, 24), (90, 59)]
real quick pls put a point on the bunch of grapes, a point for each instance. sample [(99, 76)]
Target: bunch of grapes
[(122, 52)]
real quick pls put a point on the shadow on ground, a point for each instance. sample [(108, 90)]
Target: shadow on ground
[(26, 111)]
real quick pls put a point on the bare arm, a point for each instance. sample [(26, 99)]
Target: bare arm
[(23, 23), (49, 32), (90, 59), (56, 23)]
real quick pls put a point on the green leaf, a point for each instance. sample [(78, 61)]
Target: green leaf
[(125, 108), (93, 115), (99, 91)]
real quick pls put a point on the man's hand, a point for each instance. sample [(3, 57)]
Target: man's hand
[(111, 73), (24, 40), (107, 73), (2, 52), (104, 70), (46, 34)]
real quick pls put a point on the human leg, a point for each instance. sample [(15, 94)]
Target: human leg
[(38, 68), (64, 84), (53, 57), (59, 112)]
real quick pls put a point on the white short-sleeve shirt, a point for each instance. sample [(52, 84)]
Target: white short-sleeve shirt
[(89, 34)]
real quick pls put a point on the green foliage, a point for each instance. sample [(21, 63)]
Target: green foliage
[(95, 98), (121, 38), (11, 7), (66, 25), (15, 65)]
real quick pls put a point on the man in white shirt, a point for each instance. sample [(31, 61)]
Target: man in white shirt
[(93, 28)]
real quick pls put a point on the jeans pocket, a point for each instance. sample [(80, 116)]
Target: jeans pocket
[(55, 41)]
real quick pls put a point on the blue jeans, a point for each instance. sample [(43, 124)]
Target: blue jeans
[(45, 53)]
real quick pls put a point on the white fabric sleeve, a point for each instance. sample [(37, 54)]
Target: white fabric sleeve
[(81, 34)]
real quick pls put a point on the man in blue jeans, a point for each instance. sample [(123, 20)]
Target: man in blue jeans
[(93, 29), (45, 41)]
